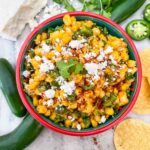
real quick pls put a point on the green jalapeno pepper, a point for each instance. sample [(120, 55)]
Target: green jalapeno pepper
[(138, 29)]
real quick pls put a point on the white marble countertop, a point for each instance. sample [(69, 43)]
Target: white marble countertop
[(49, 139)]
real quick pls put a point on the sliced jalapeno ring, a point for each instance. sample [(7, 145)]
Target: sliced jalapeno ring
[(147, 13), (138, 29)]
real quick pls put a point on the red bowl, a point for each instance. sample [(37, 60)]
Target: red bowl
[(115, 29)]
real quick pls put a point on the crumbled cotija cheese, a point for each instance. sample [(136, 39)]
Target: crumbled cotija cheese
[(89, 55), (92, 68), (71, 118), (78, 127), (66, 51), (46, 48), (112, 60), (50, 93), (56, 53), (77, 43), (48, 103), (60, 80), (103, 119), (102, 65), (101, 56), (46, 65), (108, 50), (129, 70), (28, 58), (26, 73), (37, 58), (68, 87)]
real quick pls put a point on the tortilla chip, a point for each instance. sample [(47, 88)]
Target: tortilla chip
[(142, 105), (132, 134), (145, 60)]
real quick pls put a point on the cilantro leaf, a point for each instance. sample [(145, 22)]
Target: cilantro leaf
[(61, 64), (66, 4), (64, 73), (79, 68), (106, 14), (65, 69)]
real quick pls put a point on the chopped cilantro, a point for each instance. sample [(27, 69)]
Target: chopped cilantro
[(113, 97), (44, 86), (105, 31), (31, 53), (87, 122), (65, 69), (54, 83), (59, 28), (96, 112), (50, 30), (58, 119), (88, 87), (71, 97), (75, 35), (108, 101), (47, 41), (85, 31), (29, 67), (60, 109), (79, 68), (129, 76), (54, 73), (128, 92)]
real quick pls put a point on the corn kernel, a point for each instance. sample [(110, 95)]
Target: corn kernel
[(67, 20), (53, 116), (35, 101), (96, 31), (48, 112), (68, 123), (38, 39), (109, 111), (97, 118), (123, 98), (131, 63), (41, 109), (44, 36), (94, 123)]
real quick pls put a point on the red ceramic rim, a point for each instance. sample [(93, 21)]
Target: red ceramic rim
[(37, 116)]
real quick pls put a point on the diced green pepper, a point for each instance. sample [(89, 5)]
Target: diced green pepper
[(44, 86), (71, 97), (58, 119), (87, 122), (31, 53), (29, 67), (61, 109), (138, 29), (76, 114), (113, 97), (129, 76), (147, 13), (85, 31), (88, 87), (54, 83), (107, 103)]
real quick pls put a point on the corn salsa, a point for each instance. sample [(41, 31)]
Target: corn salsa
[(77, 74)]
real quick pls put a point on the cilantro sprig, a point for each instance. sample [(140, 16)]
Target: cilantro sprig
[(65, 69), (66, 4)]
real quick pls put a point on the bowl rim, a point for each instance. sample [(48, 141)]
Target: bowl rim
[(36, 115)]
